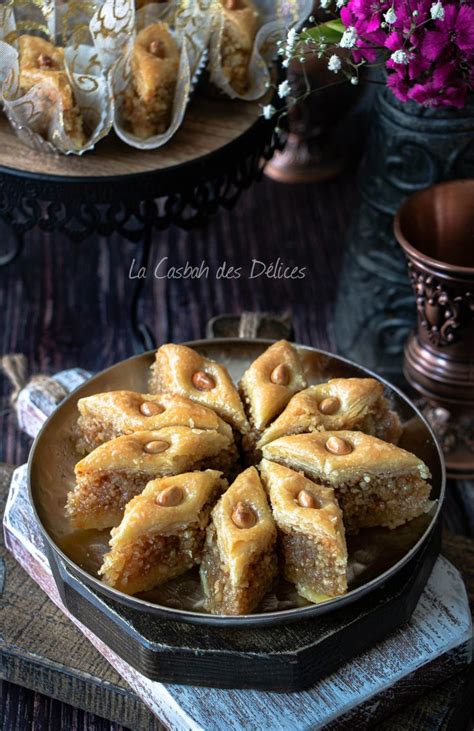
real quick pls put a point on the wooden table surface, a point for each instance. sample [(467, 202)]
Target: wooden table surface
[(66, 304)]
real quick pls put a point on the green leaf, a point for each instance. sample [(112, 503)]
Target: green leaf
[(330, 32)]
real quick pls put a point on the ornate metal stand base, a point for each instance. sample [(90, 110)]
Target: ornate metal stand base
[(219, 152)]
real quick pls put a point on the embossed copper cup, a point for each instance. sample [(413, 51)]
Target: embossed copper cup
[(435, 227)]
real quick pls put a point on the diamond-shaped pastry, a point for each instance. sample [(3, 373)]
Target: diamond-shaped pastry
[(238, 36), (311, 532), (182, 370), (356, 404), (108, 478), (106, 416), (148, 100), (41, 62), (376, 483), (239, 562), (162, 531), (270, 381)]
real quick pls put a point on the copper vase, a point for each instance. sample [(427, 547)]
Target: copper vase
[(435, 228)]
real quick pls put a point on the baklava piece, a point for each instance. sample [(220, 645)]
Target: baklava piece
[(356, 404), (239, 563), (109, 415), (311, 534), (162, 531), (182, 370), (238, 37), (110, 476), (376, 483), (270, 382), (148, 100), (42, 63)]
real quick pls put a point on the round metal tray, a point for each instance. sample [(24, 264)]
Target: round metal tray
[(51, 475)]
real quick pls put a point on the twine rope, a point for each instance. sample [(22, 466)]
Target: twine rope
[(249, 323), (15, 368)]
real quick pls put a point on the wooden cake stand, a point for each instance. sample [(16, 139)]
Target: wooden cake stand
[(219, 151)]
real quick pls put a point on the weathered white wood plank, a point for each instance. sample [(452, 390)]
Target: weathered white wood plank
[(440, 627)]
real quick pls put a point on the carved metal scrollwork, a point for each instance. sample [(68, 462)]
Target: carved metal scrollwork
[(440, 314), (133, 208)]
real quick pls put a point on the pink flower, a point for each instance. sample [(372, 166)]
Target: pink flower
[(366, 16), (443, 87), (430, 95), (399, 85), (457, 29), (430, 60)]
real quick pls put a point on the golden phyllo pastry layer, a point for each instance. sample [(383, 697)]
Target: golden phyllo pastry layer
[(179, 369), (270, 382), (355, 404), (41, 62), (110, 476), (148, 100), (311, 532), (376, 483), (239, 563), (240, 29), (106, 416), (162, 531)]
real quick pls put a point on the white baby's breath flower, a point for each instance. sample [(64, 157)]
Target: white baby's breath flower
[(415, 13), (390, 16), (268, 111), (399, 57), (290, 46), (354, 80), (340, 4), (325, 4), (284, 89), (437, 11), (291, 38), (349, 38), (334, 63)]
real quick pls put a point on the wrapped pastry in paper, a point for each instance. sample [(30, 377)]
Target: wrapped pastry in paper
[(54, 93), (244, 42), (153, 73)]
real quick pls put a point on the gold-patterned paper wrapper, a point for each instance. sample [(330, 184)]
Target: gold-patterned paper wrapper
[(275, 18), (192, 36), (67, 25)]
